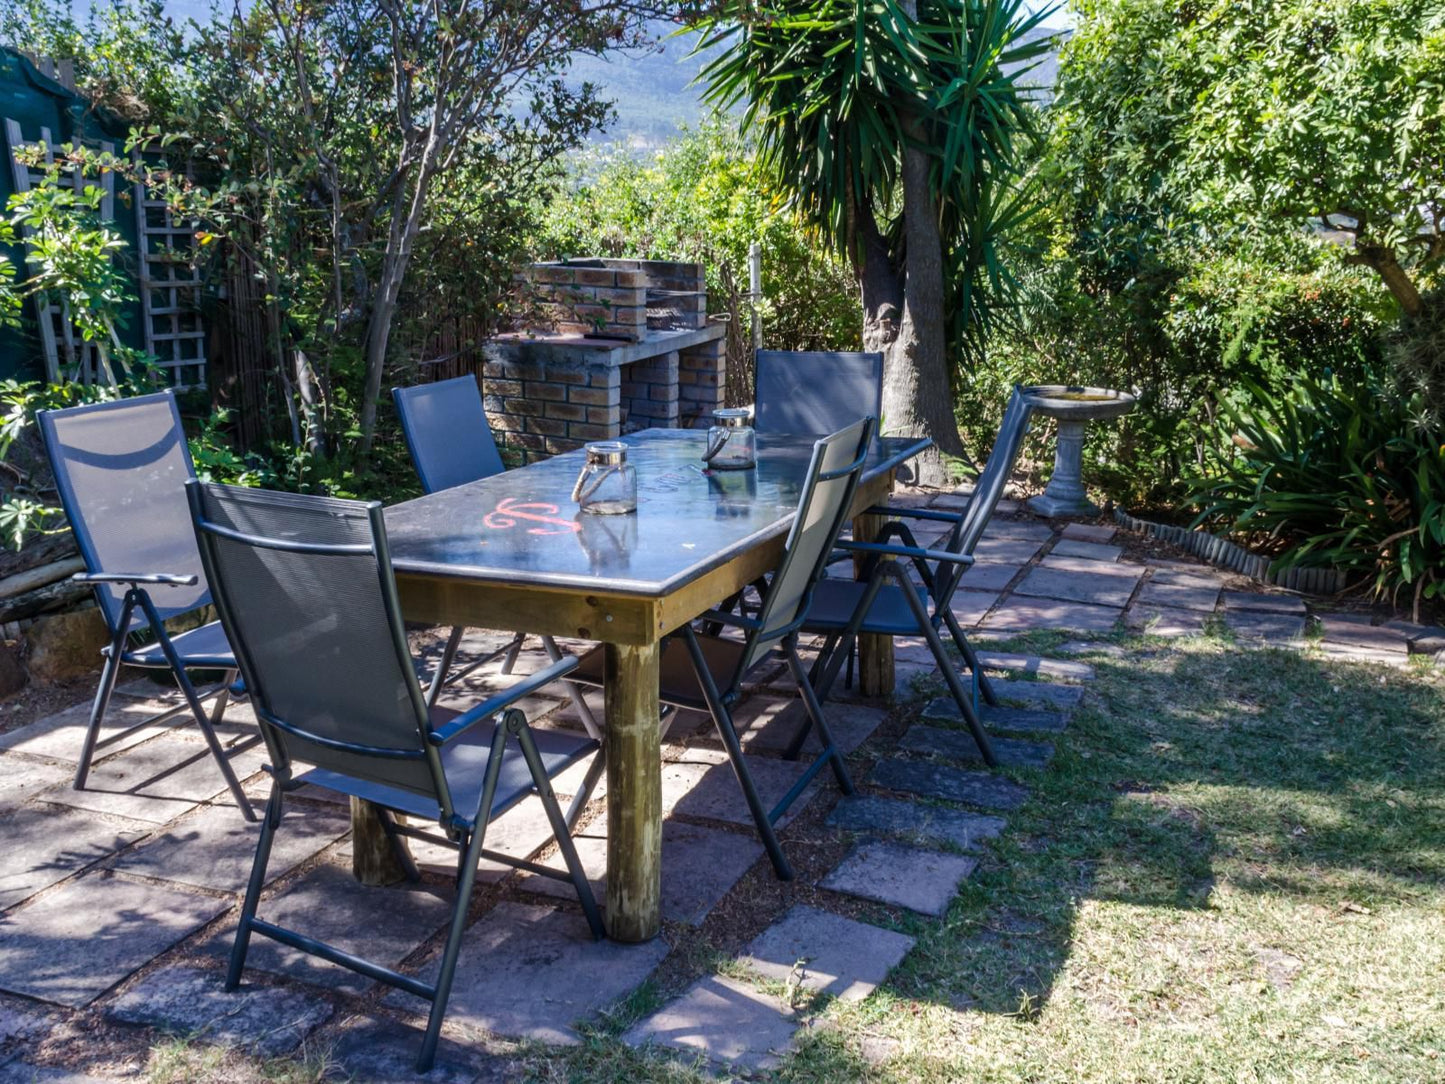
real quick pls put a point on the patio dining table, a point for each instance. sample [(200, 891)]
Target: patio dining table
[(511, 552)]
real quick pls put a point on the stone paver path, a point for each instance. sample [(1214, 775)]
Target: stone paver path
[(118, 904)]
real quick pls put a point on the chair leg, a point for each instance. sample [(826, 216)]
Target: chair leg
[(574, 693), (223, 698), (465, 883), (985, 684), (108, 675), (584, 792), (516, 723), (269, 824), (513, 650), (729, 735), (955, 686), (815, 715), (207, 731), (444, 666)]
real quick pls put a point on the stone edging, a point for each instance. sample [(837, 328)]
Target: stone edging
[(1225, 554)]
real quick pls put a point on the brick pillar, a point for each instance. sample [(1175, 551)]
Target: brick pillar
[(650, 393), (702, 374)]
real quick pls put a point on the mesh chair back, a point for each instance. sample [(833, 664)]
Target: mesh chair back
[(447, 433), (305, 591), (832, 477), (121, 468), (816, 393), (988, 490)]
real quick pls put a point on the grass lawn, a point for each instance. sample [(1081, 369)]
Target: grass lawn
[(1234, 870)]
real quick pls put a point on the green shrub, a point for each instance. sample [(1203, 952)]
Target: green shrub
[(1335, 473)]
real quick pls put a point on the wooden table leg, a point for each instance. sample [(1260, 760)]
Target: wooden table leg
[(373, 858), (875, 653), (634, 793)]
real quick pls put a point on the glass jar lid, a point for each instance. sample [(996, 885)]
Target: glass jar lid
[(732, 417), (607, 452)]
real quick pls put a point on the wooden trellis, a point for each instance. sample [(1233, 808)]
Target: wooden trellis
[(59, 339)]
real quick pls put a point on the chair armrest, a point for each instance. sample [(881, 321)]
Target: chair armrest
[(726, 617), (913, 513), (908, 551), (490, 707), (159, 579)]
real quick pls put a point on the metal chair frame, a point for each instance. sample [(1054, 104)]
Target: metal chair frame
[(721, 692), (464, 830), (884, 562), (136, 613), (486, 462)]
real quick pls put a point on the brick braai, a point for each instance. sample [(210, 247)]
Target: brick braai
[(625, 345)]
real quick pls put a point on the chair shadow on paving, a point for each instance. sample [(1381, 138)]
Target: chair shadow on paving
[(1206, 769)]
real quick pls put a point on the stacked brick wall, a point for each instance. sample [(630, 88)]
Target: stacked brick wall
[(701, 381), (540, 410), (650, 393), (588, 298)]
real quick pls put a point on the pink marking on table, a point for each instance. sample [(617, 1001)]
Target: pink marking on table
[(509, 510)]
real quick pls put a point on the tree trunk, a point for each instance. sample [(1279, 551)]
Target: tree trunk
[(1382, 259)]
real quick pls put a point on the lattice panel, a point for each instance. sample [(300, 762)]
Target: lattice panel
[(170, 290), (68, 357)]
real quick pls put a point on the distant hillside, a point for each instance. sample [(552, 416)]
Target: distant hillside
[(653, 96)]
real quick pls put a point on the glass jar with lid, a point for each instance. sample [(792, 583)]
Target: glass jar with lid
[(732, 444), (607, 484)]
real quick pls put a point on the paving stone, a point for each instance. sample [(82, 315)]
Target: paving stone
[(189, 1001), (970, 606), (1180, 591), (983, 789), (1355, 630), (1092, 551), (1093, 588), (1270, 627), (20, 1072), (943, 709), (1349, 653), (989, 575), (1033, 664), (1423, 639), (914, 820), (1002, 527), (533, 972), (42, 846), (1091, 647), (952, 502), (18, 1023), (1007, 551), (1026, 614), (21, 780), (839, 956), (890, 873), (1088, 532), (959, 745), (376, 1049), (726, 1020), (215, 848), (78, 942), (717, 796), (61, 735), (1165, 620), (1263, 603), (700, 865), (771, 723), (327, 903), (1039, 693), (158, 781)]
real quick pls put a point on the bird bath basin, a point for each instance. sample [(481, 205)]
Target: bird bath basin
[(1074, 406)]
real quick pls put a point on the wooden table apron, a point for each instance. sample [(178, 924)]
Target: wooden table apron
[(631, 625)]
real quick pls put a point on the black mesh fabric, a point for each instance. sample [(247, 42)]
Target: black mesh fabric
[(121, 468), (447, 433), (814, 531), (314, 632), (813, 393)]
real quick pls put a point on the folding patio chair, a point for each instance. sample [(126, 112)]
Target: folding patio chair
[(705, 672), (451, 444), (305, 590), (871, 604), (120, 467), (815, 393)]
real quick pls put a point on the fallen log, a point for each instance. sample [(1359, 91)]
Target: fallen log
[(35, 578), (53, 596), (44, 550)]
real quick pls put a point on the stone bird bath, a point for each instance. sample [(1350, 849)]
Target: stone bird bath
[(1074, 406)]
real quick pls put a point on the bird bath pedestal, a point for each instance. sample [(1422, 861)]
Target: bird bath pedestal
[(1074, 407)]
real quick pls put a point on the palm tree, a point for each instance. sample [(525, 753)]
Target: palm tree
[(899, 127)]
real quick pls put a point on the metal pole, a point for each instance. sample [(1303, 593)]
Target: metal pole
[(755, 291)]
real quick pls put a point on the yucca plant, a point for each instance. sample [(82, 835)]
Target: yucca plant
[(1338, 475)]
